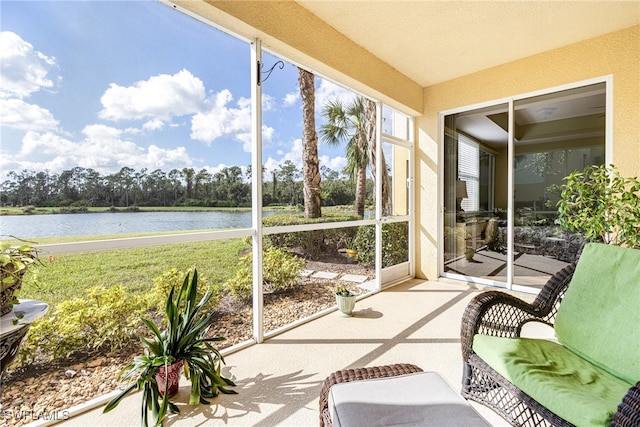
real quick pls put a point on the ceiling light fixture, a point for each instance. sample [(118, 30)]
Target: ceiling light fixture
[(546, 112)]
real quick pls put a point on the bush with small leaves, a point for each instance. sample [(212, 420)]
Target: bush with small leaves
[(279, 274), (314, 243), (601, 205), (105, 317), (395, 244)]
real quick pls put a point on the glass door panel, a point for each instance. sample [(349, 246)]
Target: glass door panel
[(555, 134), (476, 194)]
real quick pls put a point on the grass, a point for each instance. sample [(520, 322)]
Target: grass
[(69, 275)]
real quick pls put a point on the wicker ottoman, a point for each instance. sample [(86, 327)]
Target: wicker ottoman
[(393, 395)]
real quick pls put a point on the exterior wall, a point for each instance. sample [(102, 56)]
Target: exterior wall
[(616, 54)]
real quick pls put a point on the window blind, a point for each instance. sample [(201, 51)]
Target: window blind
[(469, 171)]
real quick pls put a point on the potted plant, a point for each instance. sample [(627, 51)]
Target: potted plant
[(600, 204), (183, 343), (347, 242), (15, 261), (346, 300)]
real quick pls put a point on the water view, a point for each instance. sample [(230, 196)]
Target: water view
[(33, 226)]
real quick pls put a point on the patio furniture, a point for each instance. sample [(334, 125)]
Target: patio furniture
[(14, 327), (586, 378), (393, 395)]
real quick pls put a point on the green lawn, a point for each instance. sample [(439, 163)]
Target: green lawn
[(69, 275)]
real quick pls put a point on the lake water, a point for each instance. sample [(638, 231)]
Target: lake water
[(26, 226)]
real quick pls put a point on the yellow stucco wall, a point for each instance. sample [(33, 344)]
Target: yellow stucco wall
[(285, 27), (616, 54)]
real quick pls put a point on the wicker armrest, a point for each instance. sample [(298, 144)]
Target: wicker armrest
[(628, 414), (346, 375), (500, 314)]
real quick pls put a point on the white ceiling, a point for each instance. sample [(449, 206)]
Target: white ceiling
[(434, 41)]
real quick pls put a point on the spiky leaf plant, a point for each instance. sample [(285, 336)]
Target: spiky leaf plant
[(184, 338)]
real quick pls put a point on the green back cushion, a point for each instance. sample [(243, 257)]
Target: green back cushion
[(599, 317), (555, 377)]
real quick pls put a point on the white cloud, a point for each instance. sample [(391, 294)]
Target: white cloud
[(222, 120), (268, 102), (153, 124), (330, 91), (17, 114), (102, 148), (160, 97), (334, 163), (290, 99), (23, 70), (295, 155)]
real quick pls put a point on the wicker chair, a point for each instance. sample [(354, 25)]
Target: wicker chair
[(500, 314), (346, 375)]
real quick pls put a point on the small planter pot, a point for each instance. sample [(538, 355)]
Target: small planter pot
[(174, 372), (352, 255), (346, 304)]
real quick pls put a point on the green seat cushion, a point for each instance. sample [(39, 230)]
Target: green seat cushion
[(600, 313), (555, 377)]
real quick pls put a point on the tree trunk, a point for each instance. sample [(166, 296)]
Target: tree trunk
[(370, 115), (361, 191), (310, 163)]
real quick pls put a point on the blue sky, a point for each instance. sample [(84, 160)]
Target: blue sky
[(108, 84)]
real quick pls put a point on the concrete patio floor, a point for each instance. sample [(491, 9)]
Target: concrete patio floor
[(278, 381)]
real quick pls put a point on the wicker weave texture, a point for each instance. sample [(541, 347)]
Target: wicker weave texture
[(347, 375), (503, 315), (628, 414)]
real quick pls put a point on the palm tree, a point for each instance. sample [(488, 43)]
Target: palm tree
[(310, 162), (347, 123), (355, 122)]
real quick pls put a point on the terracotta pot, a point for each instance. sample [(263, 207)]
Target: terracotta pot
[(175, 372)]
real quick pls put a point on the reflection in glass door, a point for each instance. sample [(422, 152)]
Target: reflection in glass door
[(476, 194), (555, 134), (508, 236)]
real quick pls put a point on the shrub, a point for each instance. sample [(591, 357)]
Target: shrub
[(395, 244), (279, 273), (108, 316), (601, 205), (313, 243)]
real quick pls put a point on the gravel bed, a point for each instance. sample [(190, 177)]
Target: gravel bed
[(48, 390)]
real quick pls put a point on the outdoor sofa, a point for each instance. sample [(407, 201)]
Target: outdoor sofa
[(590, 376)]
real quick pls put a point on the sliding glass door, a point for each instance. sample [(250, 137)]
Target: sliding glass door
[(503, 164)]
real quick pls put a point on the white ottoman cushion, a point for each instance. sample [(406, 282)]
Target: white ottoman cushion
[(420, 399)]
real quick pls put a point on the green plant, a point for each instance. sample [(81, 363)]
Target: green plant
[(106, 316), (395, 244), (343, 291), (314, 243), (15, 261), (163, 284), (600, 204), (279, 273), (184, 339)]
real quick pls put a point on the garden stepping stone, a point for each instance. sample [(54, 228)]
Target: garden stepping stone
[(357, 278), (306, 273), (325, 275)]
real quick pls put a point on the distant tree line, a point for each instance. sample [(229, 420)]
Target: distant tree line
[(230, 187)]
